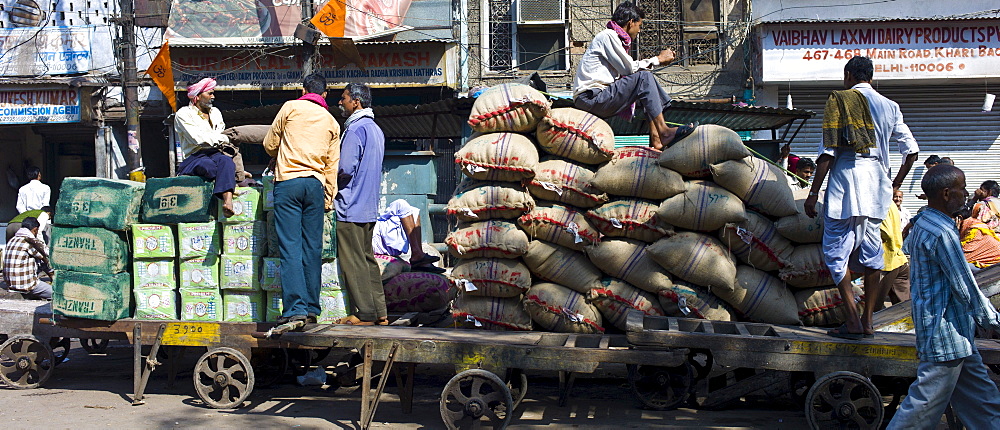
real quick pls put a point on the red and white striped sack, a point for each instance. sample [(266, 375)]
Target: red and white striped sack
[(761, 185), (707, 145), (577, 135), (634, 172), (806, 268), (508, 107), (492, 277), (561, 265), (498, 157), (756, 242), (561, 181), (561, 309), (487, 239), (627, 259), (490, 313), (560, 225), (819, 307), (480, 200), (703, 206), (761, 297), (697, 258), (690, 301), (631, 218), (615, 298)]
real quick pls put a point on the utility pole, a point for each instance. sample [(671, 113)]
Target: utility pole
[(130, 90)]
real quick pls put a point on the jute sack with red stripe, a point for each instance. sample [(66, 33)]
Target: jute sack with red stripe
[(707, 145), (704, 206), (634, 172), (390, 266), (577, 135), (487, 239), (492, 277), (508, 107), (799, 228), (490, 313), (561, 181), (560, 225), (616, 298), (631, 218), (498, 157), (561, 265), (756, 242), (691, 301), (627, 259), (561, 309), (760, 184), (697, 258), (418, 292), (819, 307), (761, 297), (478, 201), (806, 268)]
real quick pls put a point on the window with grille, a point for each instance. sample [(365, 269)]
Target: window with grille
[(527, 35), (686, 26)]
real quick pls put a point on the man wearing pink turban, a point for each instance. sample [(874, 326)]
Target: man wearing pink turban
[(199, 127)]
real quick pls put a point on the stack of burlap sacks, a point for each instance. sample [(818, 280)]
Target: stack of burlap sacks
[(575, 240), (188, 261)]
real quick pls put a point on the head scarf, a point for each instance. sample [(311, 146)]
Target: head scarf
[(626, 39), (204, 85)]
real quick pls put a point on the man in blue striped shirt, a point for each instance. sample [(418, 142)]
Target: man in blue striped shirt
[(947, 305)]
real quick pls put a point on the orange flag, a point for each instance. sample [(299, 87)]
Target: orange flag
[(163, 75), (331, 18)]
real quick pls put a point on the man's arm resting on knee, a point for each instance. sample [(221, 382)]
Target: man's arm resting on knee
[(822, 169)]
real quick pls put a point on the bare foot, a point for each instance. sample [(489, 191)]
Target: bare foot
[(227, 209), (655, 142)]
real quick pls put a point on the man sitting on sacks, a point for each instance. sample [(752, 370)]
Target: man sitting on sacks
[(23, 258), (857, 125), (609, 82), (207, 151)]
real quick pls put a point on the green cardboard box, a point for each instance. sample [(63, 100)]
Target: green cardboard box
[(334, 306), (245, 238), (155, 304), (240, 272), (88, 249), (272, 305), (270, 274), (92, 295), (177, 199), (96, 202), (200, 273), (153, 241), (243, 306), (157, 274), (199, 239), (247, 205), (200, 305)]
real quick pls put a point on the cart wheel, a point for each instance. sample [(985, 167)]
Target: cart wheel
[(701, 361), (270, 365), (844, 399), (517, 383), (223, 378), (60, 348), (95, 346), (473, 394), (661, 388), (25, 362)]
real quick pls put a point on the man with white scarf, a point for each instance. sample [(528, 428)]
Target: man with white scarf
[(359, 181)]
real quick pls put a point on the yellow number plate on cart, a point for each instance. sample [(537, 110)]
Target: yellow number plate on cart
[(191, 334)]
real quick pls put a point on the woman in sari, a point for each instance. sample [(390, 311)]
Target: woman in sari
[(986, 205), (980, 243)]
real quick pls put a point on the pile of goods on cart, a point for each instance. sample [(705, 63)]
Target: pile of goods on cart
[(560, 230), (164, 250)]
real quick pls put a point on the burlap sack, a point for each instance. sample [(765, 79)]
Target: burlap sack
[(627, 259), (756, 242), (633, 172), (561, 181), (799, 228), (806, 268), (707, 145), (560, 225), (492, 277), (631, 218), (616, 298), (249, 134), (479, 201), (561, 309), (487, 239), (498, 157), (820, 307), (696, 258), (690, 301), (761, 297), (490, 313), (508, 107), (391, 266), (576, 135), (760, 184), (704, 206), (561, 265), (418, 292)]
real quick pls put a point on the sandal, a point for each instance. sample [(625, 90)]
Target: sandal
[(683, 131), (426, 259), (841, 332), (353, 320)]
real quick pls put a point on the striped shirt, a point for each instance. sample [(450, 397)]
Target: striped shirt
[(20, 263), (947, 303)]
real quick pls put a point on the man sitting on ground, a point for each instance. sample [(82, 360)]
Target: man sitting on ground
[(397, 227), (609, 82), (23, 257)]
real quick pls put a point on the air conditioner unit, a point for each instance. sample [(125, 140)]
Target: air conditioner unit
[(541, 11)]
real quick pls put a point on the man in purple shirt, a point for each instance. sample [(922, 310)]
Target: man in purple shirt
[(359, 181)]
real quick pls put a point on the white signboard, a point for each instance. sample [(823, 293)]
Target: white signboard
[(39, 106), (35, 51), (900, 50)]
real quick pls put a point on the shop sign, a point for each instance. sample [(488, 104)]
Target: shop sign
[(386, 65), (35, 51), (900, 50), (39, 106)]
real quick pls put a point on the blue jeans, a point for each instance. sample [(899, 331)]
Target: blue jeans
[(298, 211), (964, 383)]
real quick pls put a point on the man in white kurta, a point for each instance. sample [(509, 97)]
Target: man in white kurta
[(34, 195), (857, 199)]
